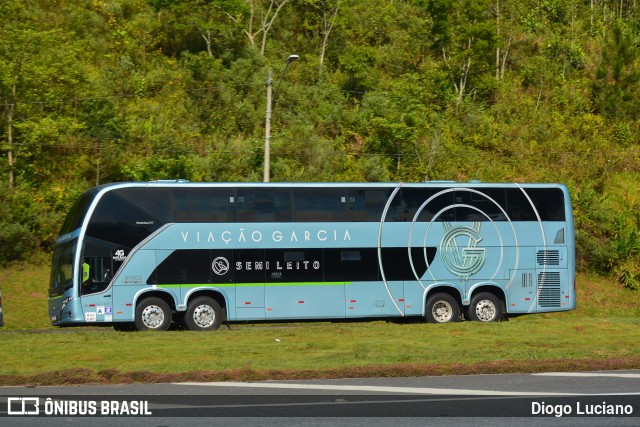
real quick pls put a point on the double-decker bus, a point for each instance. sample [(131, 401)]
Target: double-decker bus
[(148, 255)]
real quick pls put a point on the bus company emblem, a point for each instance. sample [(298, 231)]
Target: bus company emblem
[(220, 266), (463, 261)]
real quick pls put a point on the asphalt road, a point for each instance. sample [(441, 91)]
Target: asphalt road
[(566, 399)]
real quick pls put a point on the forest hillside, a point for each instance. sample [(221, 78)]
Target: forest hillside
[(96, 91)]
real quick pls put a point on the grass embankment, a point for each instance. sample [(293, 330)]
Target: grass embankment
[(603, 333)]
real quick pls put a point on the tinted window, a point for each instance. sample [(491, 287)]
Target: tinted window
[(396, 211), (78, 210), (97, 268), (264, 205), (249, 266), (185, 266), (62, 268), (294, 266), (320, 204), (205, 204), (351, 264), (397, 264), (518, 206), (480, 207), (128, 215), (367, 204), (442, 205), (549, 202)]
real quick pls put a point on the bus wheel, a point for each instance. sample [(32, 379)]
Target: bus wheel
[(442, 308), (485, 307), (153, 314), (203, 314)]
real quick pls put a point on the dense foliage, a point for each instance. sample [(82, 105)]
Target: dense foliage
[(93, 91)]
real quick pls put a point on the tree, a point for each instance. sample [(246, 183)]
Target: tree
[(617, 78), (257, 19)]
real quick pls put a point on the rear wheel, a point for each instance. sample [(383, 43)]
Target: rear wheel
[(153, 314), (485, 307), (203, 314), (442, 308)]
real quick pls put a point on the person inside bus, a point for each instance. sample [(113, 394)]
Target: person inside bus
[(88, 282)]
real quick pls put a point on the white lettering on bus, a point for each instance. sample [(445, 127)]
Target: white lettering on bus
[(288, 265), (277, 236)]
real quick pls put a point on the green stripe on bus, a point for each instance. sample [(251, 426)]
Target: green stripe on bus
[(227, 285)]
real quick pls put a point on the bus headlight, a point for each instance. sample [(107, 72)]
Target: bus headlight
[(65, 302)]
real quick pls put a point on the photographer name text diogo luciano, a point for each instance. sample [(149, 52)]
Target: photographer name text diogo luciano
[(581, 409)]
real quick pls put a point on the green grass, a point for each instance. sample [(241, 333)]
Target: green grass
[(603, 332)]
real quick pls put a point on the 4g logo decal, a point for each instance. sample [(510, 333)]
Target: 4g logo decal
[(119, 255)]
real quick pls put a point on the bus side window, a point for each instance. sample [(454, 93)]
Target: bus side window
[(549, 203), (97, 269), (320, 204), (264, 205), (433, 204), (367, 204)]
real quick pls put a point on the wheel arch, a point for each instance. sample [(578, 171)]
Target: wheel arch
[(215, 294), (441, 288), (164, 295), (491, 288)]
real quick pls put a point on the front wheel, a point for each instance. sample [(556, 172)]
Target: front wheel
[(485, 307), (442, 308), (153, 314), (203, 314)]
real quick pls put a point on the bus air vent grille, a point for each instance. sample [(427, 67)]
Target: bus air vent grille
[(549, 289), (545, 257)]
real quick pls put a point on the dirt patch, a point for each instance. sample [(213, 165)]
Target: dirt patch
[(112, 376)]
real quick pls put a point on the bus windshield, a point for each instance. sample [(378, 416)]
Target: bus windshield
[(62, 268), (78, 212)]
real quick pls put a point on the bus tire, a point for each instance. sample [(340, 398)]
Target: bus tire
[(153, 314), (442, 308), (203, 314), (485, 307)]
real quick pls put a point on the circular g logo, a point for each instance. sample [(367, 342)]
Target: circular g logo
[(459, 252), (220, 266)]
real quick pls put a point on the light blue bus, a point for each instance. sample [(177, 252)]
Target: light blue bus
[(148, 255)]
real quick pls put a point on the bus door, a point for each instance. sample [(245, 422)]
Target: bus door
[(249, 267), (296, 287), (96, 274)]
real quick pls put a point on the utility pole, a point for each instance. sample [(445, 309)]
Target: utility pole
[(267, 132), (267, 126)]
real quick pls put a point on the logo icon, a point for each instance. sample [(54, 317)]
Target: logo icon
[(220, 266), (26, 406), (459, 252)]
